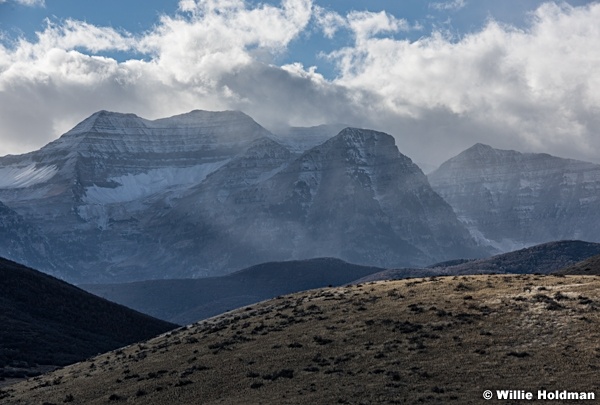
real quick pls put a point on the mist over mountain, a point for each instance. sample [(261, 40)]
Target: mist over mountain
[(354, 197), (89, 191), (121, 198), (301, 139), (511, 199)]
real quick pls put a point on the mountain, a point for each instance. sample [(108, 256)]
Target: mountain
[(91, 190), (588, 267), (512, 200), (22, 242), (47, 322), (540, 259), (121, 198), (187, 301), (441, 340), (355, 197)]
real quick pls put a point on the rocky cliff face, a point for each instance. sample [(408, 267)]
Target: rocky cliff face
[(23, 242), (90, 190), (514, 199), (124, 198), (354, 197), (363, 200)]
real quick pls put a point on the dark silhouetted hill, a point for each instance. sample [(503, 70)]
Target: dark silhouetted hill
[(545, 258), (588, 267), (186, 301), (46, 321)]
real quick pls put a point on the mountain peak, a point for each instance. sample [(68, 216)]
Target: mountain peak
[(511, 199), (482, 154), (360, 142), (196, 131), (480, 147), (363, 146), (195, 117), (103, 120), (362, 135)]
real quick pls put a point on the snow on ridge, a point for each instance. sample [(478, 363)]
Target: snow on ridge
[(134, 186), (21, 177)]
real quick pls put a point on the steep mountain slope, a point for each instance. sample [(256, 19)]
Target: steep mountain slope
[(22, 242), (121, 198), (588, 267), (541, 259), (517, 199), (363, 201), (355, 197), (187, 301), (46, 321), (91, 190), (441, 340)]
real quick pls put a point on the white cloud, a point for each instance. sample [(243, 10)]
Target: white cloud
[(539, 87), (366, 24), (448, 5), (532, 89), (329, 21), (32, 3), (29, 3), (49, 84)]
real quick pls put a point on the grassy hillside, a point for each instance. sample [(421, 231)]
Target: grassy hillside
[(434, 340), (47, 322), (187, 301)]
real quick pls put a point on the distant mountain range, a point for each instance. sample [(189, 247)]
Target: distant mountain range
[(512, 200), (120, 198), (47, 322)]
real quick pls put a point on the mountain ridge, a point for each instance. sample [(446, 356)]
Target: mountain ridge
[(207, 193), (546, 258), (512, 200), (587, 267)]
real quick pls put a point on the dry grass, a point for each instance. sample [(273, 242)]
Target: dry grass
[(437, 340)]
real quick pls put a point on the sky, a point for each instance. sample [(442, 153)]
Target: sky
[(439, 75)]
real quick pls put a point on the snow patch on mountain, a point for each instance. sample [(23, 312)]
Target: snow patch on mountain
[(135, 186), (19, 177)]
